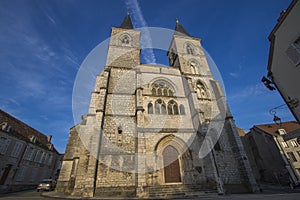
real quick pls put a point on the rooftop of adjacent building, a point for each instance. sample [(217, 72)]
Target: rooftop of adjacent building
[(23, 131), (282, 17), (272, 129)]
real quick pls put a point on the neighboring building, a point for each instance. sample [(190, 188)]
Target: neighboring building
[(146, 124), (284, 58), (26, 155), (273, 158)]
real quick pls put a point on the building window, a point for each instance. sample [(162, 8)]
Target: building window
[(150, 108), (293, 52), (29, 153), (284, 144), (153, 91), (173, 108), (161, 89), (17, 148), (189, 49), (125, 39), (193, 66), (21, 173), (182, 110), (294, 143), (160, 107), (202, 92), (38, 156), (33, 174), (50, 159), (4, 143), (292, 156)]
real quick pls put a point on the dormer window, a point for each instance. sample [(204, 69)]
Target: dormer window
[(32, 138), (281, 132)]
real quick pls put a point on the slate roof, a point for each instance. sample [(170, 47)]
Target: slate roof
[(179, 30), (23, 132), (127, 23), (272, 129)]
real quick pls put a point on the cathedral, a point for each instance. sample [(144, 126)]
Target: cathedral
[(154, 131)]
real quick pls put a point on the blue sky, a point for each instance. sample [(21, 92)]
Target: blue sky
[(43, 44)]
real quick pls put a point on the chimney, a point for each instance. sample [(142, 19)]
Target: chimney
[(49, 137)]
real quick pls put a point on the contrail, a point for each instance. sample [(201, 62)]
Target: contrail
[(138, 21)]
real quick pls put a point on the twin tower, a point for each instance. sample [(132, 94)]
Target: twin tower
[(154, 131)]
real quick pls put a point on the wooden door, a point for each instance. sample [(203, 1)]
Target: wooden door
[(171, 165)]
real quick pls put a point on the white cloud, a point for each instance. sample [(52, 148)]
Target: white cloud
[(233, 74), (247, 92), (139, 21)]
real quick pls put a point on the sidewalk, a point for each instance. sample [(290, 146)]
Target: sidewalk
[(272, 192)]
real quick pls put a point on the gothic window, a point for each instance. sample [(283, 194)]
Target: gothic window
[(170, 110), (150, 108), (153, 91), (182, 110), (201, 90), (173, 108), (163, 109), (165, 93), (159, 93), (171, 93), (160, 107), (189, 49), (161, 89), (194, 66)]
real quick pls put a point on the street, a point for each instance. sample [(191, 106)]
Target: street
[(31, 194), (286, 196)]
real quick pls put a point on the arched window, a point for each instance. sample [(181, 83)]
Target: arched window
[(181, 108), (157, 107), (153, 91), (150, 108), (170, 109), (125, 39), (165, 93), (161, 88), (189, 49), (173, 108), (159, 93), (201, 90), (163, 109), (194, 67), (160, 107)]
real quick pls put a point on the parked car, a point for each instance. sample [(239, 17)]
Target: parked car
[(46, 184)]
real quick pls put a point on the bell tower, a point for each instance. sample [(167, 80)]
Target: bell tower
[(186, 53), (124, 46)]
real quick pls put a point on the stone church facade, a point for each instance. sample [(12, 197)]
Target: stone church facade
[(146, 125)]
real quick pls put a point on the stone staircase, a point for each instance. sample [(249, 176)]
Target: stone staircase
[(165, 191)]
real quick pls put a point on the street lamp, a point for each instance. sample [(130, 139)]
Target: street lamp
[(277, 120)]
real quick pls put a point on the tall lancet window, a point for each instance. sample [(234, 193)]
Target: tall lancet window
[(202, 92), (189, 49)]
